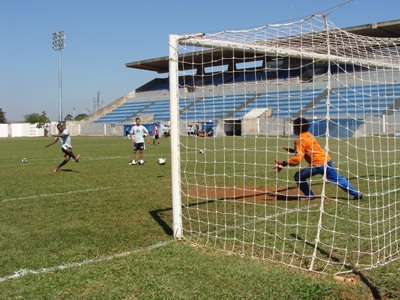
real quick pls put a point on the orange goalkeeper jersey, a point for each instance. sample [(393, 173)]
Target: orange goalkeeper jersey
[(307, 147)]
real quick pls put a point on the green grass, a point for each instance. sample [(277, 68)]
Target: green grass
[(104, 221)]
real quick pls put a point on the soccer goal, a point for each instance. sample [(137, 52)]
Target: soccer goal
[(234, 96)]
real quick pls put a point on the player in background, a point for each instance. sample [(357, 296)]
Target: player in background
[(64, 137), (136, 136), (307, 147), (156, 134)]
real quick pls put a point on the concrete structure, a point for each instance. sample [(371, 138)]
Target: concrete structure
[(25, 130)]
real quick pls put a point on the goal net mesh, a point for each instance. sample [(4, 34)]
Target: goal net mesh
[(238, 93)]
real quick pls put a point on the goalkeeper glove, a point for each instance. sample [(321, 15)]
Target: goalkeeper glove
[(279, 166)]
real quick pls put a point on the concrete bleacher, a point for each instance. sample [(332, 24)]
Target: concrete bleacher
[(159, 109), (344, 101), (215, 108), (121, 113), (282, 104), (127, 113), (356, 101), (234, 100)]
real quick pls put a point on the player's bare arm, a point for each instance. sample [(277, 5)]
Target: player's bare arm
[(52, 143), (62, 135), (131, 138)]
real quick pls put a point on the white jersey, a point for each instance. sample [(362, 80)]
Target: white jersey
[(66, 140), (138, 132)]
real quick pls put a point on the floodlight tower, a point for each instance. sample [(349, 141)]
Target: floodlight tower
[(58, 45)]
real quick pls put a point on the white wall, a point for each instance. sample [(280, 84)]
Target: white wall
[(20, 130), (94, 129), (3, 130)]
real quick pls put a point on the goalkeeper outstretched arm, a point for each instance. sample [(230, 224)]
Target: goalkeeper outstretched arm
[(279, 165)]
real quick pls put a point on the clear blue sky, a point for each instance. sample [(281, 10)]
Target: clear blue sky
[(101, 36)]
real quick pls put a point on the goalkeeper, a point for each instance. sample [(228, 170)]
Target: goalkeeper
[(307, 147)]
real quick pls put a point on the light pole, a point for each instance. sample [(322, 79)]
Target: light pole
[(58, 45)]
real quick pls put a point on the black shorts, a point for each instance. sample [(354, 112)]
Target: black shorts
[(156, 137), (138, 146), (65, 151)]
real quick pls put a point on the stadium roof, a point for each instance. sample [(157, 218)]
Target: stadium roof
[(161, 64), (389, 29)]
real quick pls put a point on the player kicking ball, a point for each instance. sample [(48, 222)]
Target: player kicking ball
[(136, 136), (307, 147), (64, 137)]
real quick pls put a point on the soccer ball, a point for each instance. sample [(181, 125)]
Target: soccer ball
[(201, 151), (162, 161), (140, 162), (24, 160)]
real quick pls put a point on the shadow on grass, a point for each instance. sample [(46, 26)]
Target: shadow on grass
[(69, 170), (157, 216), (374, 291)]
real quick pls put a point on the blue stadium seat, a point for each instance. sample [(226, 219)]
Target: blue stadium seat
[(119, 114), (356, 101), (283, 104), (214, 108)]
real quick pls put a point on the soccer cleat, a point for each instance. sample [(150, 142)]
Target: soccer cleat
[(56, 169), (77, 158), (133, 162)]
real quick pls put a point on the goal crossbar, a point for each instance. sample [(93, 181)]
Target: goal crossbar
[(258, 48)]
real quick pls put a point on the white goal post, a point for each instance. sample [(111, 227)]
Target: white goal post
[(234, 99)]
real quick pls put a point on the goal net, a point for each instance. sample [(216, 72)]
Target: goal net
[(234, 98)]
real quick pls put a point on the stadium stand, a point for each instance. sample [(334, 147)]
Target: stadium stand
[(122, 113), (294, 100), (262, 89), (357, 101), (208, 108), (309, 103)]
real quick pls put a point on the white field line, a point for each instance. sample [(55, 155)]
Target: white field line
[(55, 194), (43, 161), (286, 212), (256, 220), (24, 272)]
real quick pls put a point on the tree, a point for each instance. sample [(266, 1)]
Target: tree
[(68, 117), (2, 116), (41, 120), (80, 117), (31, 118)]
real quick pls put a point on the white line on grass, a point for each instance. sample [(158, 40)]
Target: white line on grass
[(257, 219), (24, 272), (289, 211), (55, 194)]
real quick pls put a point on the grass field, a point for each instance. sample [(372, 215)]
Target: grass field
[(101, 229)]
